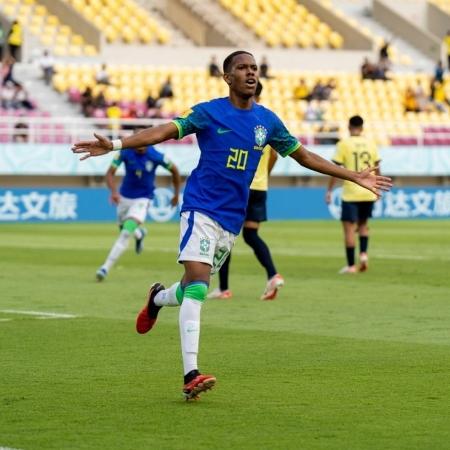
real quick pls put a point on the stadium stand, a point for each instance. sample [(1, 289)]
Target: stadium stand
[(278, 23), (47, 28), (122, 20), (443, 5), (379, 101)]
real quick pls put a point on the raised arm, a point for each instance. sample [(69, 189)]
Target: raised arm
[(367, 178), (149, 136)]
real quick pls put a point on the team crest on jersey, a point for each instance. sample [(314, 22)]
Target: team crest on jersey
[(260, 135), (204, 246), (149, 166)]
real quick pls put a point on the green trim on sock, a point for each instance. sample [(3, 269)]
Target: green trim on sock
[(179, 293), (196, 291), (130, 225)]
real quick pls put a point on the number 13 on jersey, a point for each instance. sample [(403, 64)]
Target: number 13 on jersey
[(237, 159)]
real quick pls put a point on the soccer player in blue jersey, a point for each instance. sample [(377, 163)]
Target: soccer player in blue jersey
[(231, 134), (133, 199)]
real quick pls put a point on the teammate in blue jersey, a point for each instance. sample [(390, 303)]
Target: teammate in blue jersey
[(231, 134), (133, 199)]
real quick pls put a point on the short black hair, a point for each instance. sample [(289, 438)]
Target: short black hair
[(259, 88), (228, 61), (356, 122)]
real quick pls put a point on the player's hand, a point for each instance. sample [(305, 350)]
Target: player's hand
[(93, 148), (374, 183), (328, 197), (174, 201), (115, 198)]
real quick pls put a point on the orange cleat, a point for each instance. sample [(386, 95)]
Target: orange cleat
[(272, 287), (147, 317), (363, 262)]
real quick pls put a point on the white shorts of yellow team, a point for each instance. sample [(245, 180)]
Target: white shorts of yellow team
[(132, 208), (202, 239)]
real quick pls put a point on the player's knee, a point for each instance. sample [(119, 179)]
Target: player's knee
[(250, 235), (130, 225), (196, 290)]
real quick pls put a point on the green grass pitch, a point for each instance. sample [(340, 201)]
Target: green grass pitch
[(336, 362)]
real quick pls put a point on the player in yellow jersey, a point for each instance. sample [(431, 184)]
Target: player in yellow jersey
[(356, 153), (256, 213)]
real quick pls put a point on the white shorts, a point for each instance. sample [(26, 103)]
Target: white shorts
[(132, 208), (202, 239)]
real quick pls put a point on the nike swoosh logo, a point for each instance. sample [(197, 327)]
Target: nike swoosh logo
[(222, 130)]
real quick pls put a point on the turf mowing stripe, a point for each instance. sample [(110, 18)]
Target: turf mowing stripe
[(42, 315)]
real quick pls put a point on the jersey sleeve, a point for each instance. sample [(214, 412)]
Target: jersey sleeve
[(161, 159), (338, 157), (281, 140), (118, 159), (191, 122)]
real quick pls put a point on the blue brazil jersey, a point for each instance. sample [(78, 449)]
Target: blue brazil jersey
[(231, 142), (139, 180)]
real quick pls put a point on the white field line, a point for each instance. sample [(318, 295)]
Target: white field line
[(8, 448), (40, 315), (4, 320)]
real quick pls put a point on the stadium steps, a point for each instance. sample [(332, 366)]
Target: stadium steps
[(45, 96), (233, 31), (361, 11), (156, 8)]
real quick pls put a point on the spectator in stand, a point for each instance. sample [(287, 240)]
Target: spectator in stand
[(447, 48), (7, 71), (21, 98), (213, 68), (329, 89), (384, 62), (367, 70), (102, 76), (7, 95), (20, 132), (166, 90), (100, 101), (2, 41), (87, 102), (150, 101), (439, 98), (264, 68), (15, 39), (114, 114), (318, 92), (47, 63), (114, 111), (421, 98), (410, 101), (313, 112), (301, 91), (439, 72)]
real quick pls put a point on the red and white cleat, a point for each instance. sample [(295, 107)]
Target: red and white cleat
[(272, 287), (363, 262), (201, 383)]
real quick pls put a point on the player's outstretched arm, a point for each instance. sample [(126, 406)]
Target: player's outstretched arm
[(149, 136), (367, 178)]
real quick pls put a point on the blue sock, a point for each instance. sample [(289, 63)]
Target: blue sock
[(261, 250)]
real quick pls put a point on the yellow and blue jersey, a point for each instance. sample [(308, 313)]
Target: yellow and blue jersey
[(356, 153), (139, 179), (231, 142), (261, 179)]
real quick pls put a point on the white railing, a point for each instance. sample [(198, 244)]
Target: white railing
[(66, 130)]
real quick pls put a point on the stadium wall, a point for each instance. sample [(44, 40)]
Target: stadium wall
[(437, 21), (406, 29), (67, 204)]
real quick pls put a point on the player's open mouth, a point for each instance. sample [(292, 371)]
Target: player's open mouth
[(250, 82)]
